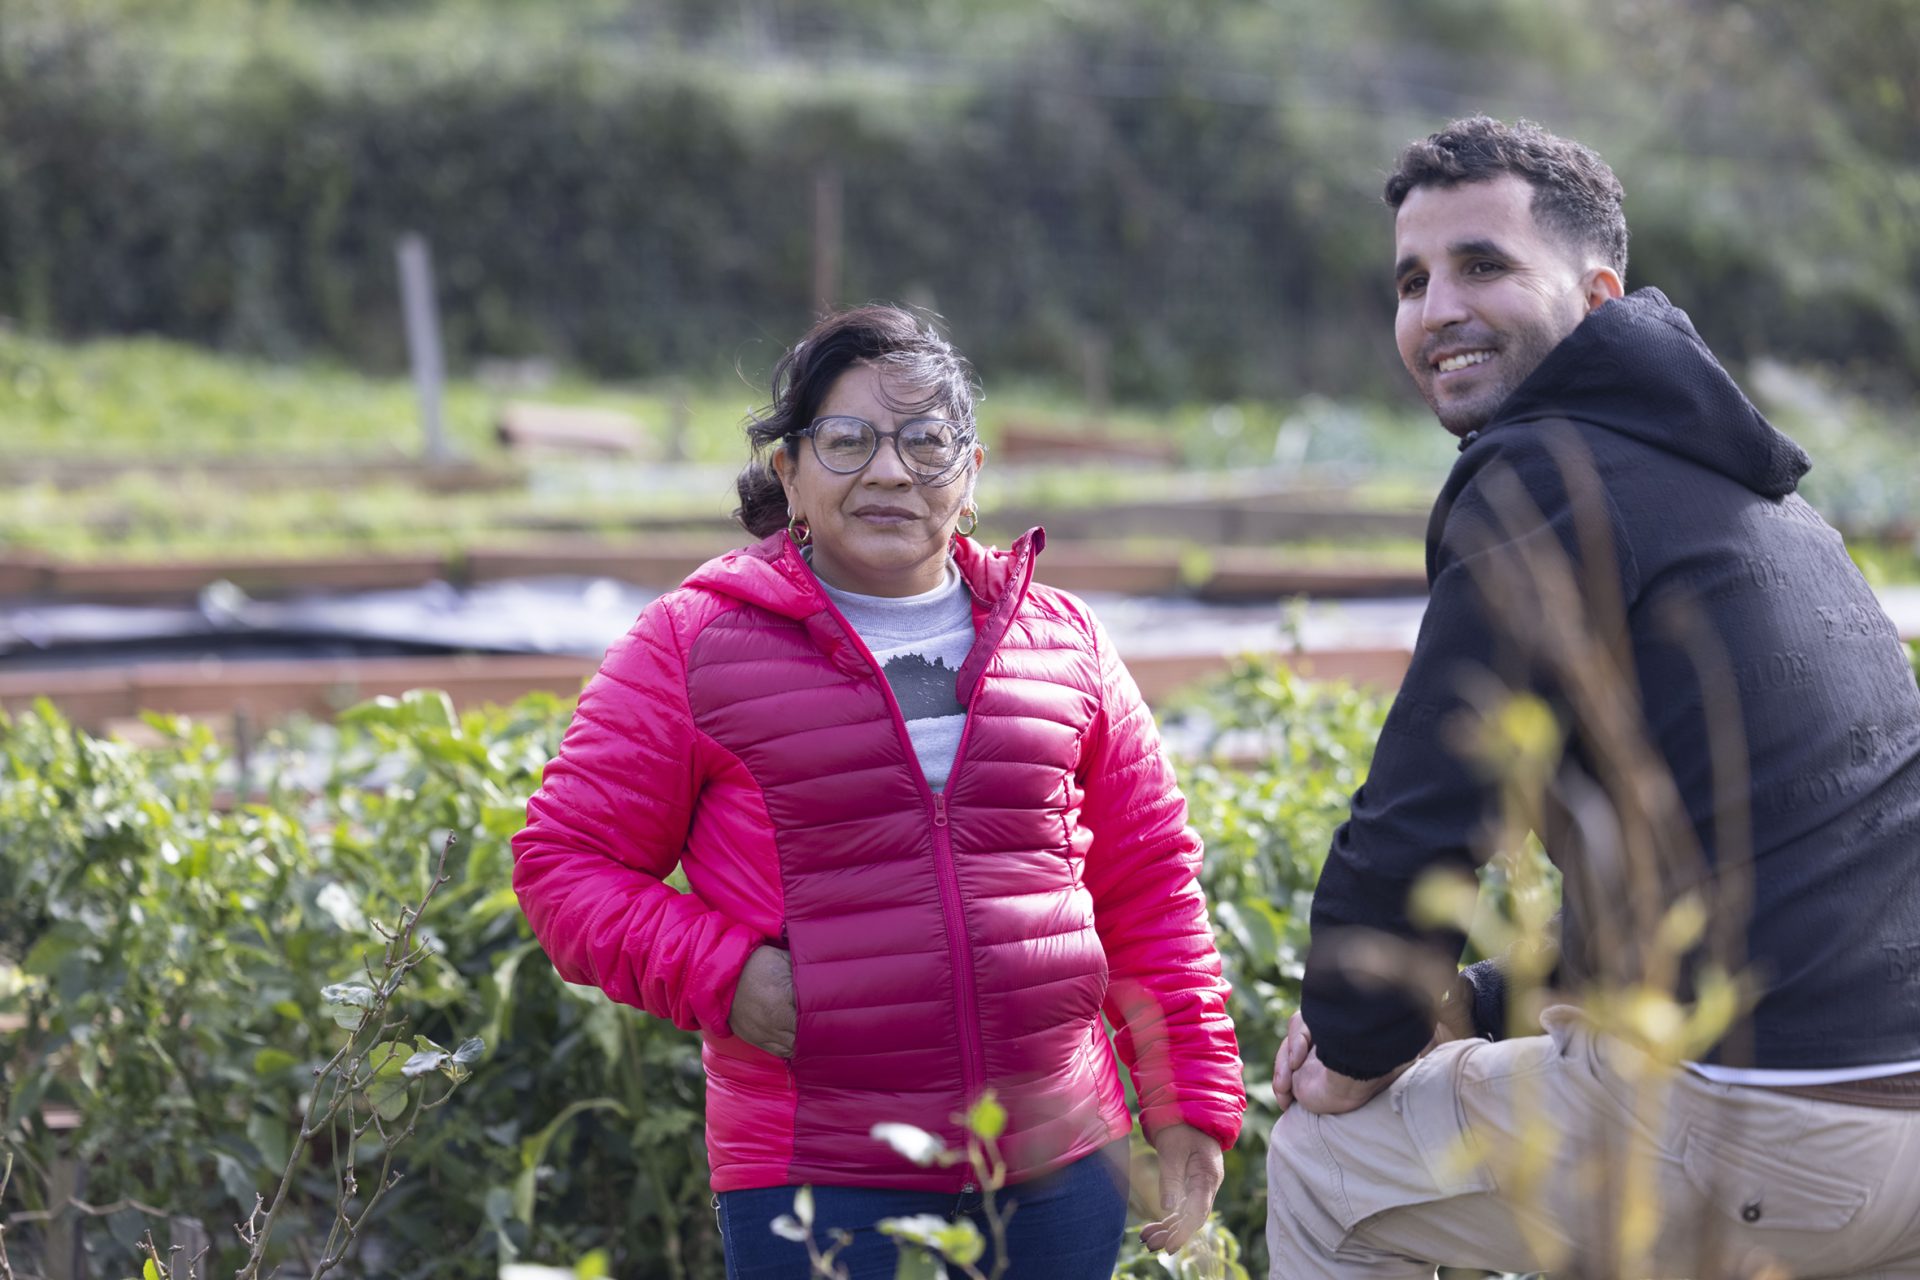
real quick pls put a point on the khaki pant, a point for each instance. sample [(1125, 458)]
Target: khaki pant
[(1573, 1154)]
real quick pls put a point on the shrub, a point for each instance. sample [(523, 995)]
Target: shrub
[(170, 912), (166, 951), (1188, 199)]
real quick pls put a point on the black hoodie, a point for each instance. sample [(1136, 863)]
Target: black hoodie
[(1631, 455)]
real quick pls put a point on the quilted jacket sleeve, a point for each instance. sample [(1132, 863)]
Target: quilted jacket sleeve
[(1165, 998), (605, 828)]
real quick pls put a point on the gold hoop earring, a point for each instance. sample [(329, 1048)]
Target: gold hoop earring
[(970, 519), (798, 530)]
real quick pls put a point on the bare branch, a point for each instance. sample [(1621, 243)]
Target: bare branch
[(85, 1209), (348, 1073)]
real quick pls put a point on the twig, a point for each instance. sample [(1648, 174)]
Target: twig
[(169, 1270), (347, 1075), (6, 1176), (992, 1170), (80, 1207)]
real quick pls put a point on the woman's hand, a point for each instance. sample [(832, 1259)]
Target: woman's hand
[(1191, 1170), (763, 1010)]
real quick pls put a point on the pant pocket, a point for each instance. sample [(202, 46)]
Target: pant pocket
[(1428, 1101), (1754, 1189)]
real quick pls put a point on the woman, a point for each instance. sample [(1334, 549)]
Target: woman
[(929, 832)]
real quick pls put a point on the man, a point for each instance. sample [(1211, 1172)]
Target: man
[(1734, 806)]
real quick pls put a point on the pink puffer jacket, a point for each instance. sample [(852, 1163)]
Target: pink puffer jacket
[(942, 944)]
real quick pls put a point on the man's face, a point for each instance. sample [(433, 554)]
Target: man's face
[(1485, 294)]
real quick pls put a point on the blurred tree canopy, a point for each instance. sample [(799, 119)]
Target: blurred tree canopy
[(1186, 194)]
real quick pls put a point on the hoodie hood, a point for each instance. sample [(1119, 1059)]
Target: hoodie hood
[(1636, 366)]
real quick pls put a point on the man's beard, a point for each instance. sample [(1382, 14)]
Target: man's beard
[(1518, 355)]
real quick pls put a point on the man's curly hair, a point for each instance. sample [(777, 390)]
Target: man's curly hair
[(1575, 194)]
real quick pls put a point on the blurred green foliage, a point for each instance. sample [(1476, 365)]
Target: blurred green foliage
[(1267, 811), (169, 913), (1182, 195), (147, 401), (144, 403), (166, 945)]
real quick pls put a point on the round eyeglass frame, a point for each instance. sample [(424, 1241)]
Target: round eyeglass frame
[(944, 475)]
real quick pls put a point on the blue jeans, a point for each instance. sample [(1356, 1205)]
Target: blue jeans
[(1067, 1226)]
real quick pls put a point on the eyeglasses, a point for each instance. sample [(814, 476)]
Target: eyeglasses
[(931, 448)]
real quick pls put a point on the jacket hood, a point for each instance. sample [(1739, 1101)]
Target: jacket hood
[(1637, 367), (773, 575)]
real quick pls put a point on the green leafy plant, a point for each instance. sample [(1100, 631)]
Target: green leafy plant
[(1277, 760), (958, 1241), (170, 911), (168, 918), (162, 1009)]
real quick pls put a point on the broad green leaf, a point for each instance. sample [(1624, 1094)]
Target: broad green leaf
[(271, 1136), (44, 959), (918, 1264), (347, 1017), (988, 1119), (348, 1002), (337, 902), (500, 900), (271, 1061), (604, 1029), (235, 1179), (431, 708), (387, 1092), (380, 709), (958, 1241), (26, 1099), (533, 1152), (664, 1123), (503, 976)]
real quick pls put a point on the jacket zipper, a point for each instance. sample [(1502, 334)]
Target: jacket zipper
[(972, 1061), (973, 1069)]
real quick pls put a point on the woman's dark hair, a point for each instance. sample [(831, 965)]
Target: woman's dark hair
[(1575, 194), (891, 338)]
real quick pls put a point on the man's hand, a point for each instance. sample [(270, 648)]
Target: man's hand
[(763, 1009), (1191, 1170), (1299, 1076)]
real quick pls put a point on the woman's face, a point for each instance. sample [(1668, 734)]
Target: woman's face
[(882, 530)]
